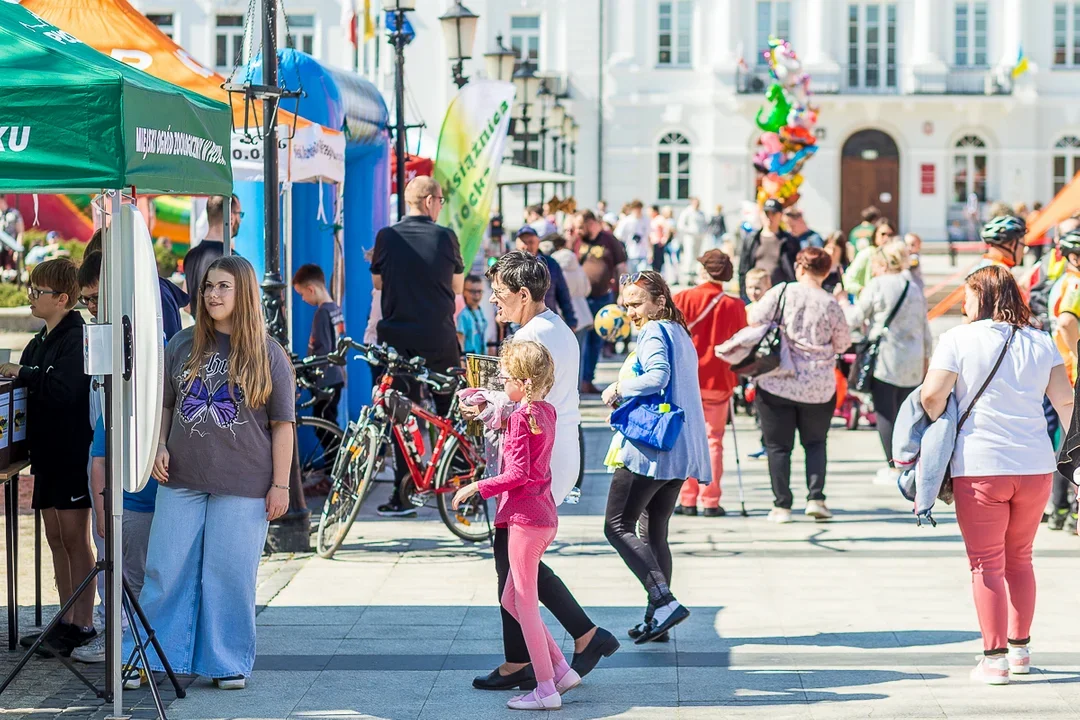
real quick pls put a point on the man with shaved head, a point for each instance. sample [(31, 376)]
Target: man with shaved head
[(417, 265)]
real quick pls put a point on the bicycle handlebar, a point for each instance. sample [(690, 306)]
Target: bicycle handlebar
[(308, 369)]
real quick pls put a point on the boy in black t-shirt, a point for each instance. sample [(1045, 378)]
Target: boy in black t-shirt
[(326, 327)]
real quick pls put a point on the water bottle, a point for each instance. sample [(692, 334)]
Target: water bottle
[(414, 432), (573, 497)]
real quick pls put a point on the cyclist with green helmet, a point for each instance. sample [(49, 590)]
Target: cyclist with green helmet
[(1005, 236)]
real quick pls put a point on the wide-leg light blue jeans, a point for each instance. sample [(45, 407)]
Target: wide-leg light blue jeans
[(199, 591)]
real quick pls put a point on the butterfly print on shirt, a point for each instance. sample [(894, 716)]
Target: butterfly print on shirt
[(199, 401)]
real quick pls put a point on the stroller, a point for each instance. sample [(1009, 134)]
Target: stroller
[(851, 406)]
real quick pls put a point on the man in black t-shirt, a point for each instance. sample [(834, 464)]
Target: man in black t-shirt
[(200, 257), (418, 267)]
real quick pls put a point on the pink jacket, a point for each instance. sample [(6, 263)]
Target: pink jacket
[(524, 486)]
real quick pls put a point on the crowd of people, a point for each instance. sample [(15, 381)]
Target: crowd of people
[(229, 402)]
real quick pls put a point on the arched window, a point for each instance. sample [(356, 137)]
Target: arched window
[(673, 168), (1066, 161), (969, 169)]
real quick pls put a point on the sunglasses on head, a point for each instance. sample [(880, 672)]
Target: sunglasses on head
[(629, 278)]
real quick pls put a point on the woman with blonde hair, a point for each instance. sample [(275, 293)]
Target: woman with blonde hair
[(892, 311), (223, 463)]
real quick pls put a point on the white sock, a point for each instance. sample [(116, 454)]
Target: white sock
[(664, 612)]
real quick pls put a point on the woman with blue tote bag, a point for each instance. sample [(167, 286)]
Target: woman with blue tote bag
[(647, 480)]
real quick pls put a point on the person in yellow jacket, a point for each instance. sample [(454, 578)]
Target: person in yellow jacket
[(1064, 303)]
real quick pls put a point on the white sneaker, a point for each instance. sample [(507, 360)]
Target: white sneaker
[(817, 510), (133, 678), (568, 682), (533, 701), (237, 682), (886, 476), (781, 516), (1019, 660), (992, 670), (91, 652)]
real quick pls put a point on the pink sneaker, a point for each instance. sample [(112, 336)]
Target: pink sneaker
[(533, 701), (1020, 660), (992, 670), (568, 682)]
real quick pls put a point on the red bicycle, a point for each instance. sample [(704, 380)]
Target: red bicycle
[(433, 477)]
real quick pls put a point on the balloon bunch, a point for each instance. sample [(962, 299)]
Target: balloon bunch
[(787, 121)]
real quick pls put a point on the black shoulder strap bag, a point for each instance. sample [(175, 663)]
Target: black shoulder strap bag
[(946, 492), (861, 376)]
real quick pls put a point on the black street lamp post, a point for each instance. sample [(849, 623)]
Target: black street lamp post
[(459, 30), (524, 79), (399, 39)]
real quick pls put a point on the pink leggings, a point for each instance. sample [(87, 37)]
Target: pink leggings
[(526, 547), (998, 518)]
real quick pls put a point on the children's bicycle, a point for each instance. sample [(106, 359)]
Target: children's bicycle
[(433, 477)]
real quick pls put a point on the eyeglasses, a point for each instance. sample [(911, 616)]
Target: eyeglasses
[(34, 293), (629, 278), (89, 300), (219, 289), (240, 214), (438, 198), (476, 291)]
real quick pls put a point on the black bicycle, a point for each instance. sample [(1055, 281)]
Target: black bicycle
[(321, 438)]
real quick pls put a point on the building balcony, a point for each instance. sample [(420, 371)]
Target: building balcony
[(961, 80), (870, 79)]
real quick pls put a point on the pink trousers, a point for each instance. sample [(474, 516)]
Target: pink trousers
[(998, 518), (526, 547), (716, 415)]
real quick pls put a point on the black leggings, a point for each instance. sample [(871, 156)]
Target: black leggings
[(553, 593), (780, 418), (887, 401), (631, 496)]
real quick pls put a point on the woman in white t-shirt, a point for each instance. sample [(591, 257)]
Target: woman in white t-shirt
[(1003, 459)]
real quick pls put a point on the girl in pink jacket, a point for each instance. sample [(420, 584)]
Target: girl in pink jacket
[(527, 510)]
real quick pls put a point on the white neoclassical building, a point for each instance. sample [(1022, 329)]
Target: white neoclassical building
[(918, 108)]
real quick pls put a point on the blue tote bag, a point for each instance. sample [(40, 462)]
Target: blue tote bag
[(652, 420)]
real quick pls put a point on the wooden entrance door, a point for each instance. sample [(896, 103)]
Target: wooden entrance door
[(869, 175)]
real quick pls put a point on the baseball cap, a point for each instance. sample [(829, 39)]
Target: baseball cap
[(717, 264), (772, 205), (526, 230)]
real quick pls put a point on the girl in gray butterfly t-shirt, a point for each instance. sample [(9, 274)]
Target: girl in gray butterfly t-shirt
[(223, 463)]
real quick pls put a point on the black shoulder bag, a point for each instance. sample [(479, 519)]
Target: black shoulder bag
[(946, 492), (765, 357), (861, 376)]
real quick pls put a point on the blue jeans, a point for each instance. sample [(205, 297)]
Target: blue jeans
[(593, 344), (199, 591)]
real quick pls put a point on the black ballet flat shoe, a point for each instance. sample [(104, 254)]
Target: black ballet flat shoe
[(523, 679), (641, 628), (603, 644), (680, 614)]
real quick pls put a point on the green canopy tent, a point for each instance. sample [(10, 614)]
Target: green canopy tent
[(73, 120)]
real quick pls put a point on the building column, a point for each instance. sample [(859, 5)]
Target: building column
[(817, 54), (924, 54), (727, 37)]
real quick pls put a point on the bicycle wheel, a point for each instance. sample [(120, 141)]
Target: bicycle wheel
[(470, 522), (348, 490), (317, 462)]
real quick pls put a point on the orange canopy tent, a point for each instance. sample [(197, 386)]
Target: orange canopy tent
[(117, 29), (1064, 204)]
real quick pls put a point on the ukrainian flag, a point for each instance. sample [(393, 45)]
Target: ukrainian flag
[(1022, 64)]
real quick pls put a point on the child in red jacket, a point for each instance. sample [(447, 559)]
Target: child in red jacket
[(526, 508)]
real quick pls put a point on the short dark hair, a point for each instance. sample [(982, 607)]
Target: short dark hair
[(60, 276), (94, 245), (588, 216), (215, 208), (90, 270), (535, 209), (814, 261), (520, 269), (473, 279), (555, 239), (309, 274), (871, 214)]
